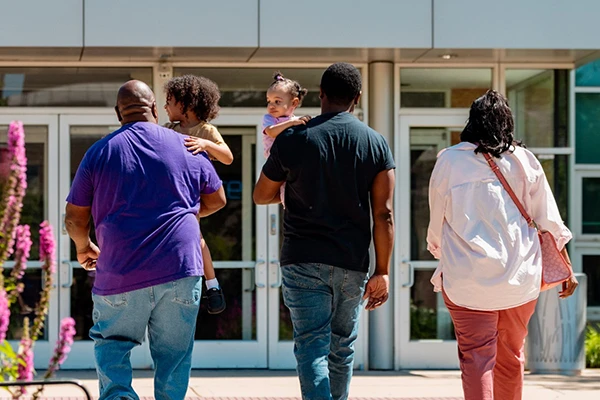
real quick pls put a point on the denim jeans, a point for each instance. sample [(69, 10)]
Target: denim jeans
[(324, 303), (169, 311)]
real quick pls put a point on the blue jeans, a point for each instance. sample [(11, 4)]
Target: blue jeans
[(324, 303), (169, 311)]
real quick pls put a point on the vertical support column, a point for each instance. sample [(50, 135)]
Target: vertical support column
[(161, 74), (381, 118)]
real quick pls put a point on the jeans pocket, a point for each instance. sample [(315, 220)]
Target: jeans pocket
[(301, 276), (354, 283), (115, 300), (188, 290)]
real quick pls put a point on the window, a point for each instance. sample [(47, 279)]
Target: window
[(442, 87), (68, 87), (247, 87)]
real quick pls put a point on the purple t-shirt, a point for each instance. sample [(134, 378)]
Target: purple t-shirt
[(144, 188)]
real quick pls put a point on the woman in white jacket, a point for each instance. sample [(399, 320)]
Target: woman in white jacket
[(490, 259)]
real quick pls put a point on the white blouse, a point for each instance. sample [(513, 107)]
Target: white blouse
[(490, 258)]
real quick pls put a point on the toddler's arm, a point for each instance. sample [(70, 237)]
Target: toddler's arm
[(275, 130), (220, 152)]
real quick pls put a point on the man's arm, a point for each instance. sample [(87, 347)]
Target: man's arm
[(211, 203), (382, 195), (77, 223), (266, 191)]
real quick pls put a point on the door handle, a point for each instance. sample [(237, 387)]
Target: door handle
[(69, 281), (63, 224), (273, 224), (275, 263), (411, 274), (258, 264)]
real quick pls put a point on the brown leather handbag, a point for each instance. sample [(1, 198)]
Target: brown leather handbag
[(556, 265)]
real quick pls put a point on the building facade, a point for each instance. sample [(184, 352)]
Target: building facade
[(423, 63)]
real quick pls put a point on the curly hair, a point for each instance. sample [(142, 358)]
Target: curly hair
[(341, 83), (289, 86), (490, 125), (195, 93)]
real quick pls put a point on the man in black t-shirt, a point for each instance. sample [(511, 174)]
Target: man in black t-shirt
[(339, 173)]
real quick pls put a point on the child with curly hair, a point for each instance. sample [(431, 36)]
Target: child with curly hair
[(192, 101), (284, 96)]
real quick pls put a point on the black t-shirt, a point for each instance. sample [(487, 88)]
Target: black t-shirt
[(329, 166)]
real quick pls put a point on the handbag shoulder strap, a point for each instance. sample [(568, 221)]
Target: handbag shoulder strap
[(507, 187)]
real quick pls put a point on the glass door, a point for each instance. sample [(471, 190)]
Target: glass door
[(42, 179), (77, 134), (424, 332), (235, 235)]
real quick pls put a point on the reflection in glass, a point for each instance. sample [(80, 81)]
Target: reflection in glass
[(591, 267), (286, 331), (81, 301), (531, 97), (247, 87), (224, 235), (32, 214), (588, 74), (429, 317), (34, 202), (229, 325), (590, 211), (587, 126), (442, 87), (556, 168), (25, 304), (82, 138), (425, 143), (223, 230), (65, 87)]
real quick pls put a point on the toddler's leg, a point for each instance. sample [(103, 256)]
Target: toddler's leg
[(214, 293), (209, 268)]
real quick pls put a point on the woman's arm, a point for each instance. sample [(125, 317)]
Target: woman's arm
[(437, 206), (544, 209)]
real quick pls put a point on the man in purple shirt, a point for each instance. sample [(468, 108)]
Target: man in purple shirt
[(144, 191)]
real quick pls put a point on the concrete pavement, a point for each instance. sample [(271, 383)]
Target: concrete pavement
[(268, 384)]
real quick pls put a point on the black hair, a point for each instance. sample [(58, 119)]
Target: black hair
[(490, 125), (288, 85), (195, 93), (341, 83)]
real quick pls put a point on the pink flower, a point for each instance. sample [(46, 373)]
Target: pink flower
[(4, 314), (25, 369), (15, 188), (63, 346), (23, 239), (47, 247), (16, 142)]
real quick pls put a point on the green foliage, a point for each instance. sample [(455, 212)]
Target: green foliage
[(423, 323), (592, 348)]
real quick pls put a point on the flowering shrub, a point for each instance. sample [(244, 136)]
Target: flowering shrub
[(18, 366)]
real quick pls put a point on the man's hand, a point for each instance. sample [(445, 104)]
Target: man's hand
[(88, 256), (197, 145), (377, 291), (302, 120)]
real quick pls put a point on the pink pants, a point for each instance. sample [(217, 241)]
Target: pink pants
[(490, 350)]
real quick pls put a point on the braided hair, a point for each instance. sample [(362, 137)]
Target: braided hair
[(289, 86)]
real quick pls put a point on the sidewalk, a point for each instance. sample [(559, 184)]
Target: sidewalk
[(267, 384)]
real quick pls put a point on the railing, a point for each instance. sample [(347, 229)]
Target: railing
[(48, 383)]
